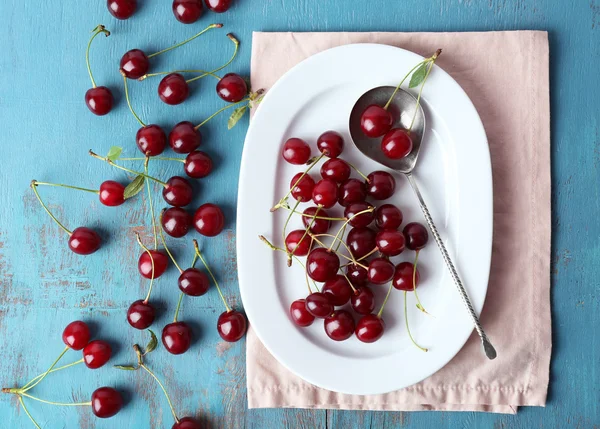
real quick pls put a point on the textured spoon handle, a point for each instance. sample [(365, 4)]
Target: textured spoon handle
[(490, 352)]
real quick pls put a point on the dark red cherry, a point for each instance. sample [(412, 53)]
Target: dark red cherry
[(173, 89), (140, 314), (99, 100), (331, 144), (352, 191), (112, 193), (322, 264), (361, 220), (121, 9), (339, 326), (375, 121), (335, 169), (96, 354), (357, 274), (84, 241), (319, 305), (177, 337), (106, 402), (296, 151), (363, 300), (388, 216), (232, 326), (381, 271), (151, 140), (361, 241), (318, 226), (187, 423), (218, 6), (134, 64), (232, 88), (299, 314), (183, 138), (298, 242), (370, 328), (403, 278), (209, 220), (187, 11), (161, 262), (76, 335), (198, 164), (302, 189), (176, 222), (396, 143), (390, 242), (338, 290), (325, 193), (178, 192), (416, 236), (193, 282), (381, 185)]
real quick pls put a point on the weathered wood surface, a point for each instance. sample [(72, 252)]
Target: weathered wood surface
[(46, 131)]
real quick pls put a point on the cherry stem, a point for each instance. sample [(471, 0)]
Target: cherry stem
[(289, 254), (229, 106), (349, 282), (27, 412), (158, 158), (139, 240), (60, 404), (407, 328), (205, 72), (162, 238), (369, 210), (312, 164), (401, 82), (419, 306), (337, 247), (237, 44), (146, 162), (94, 191), (46, 373), (387, 296), (163, 389), (186, 41), (129, 103), (316, 217), (194, 260), (178, 307), (351, 258), (357, 171), (375, 249), (53, 370), (319, 207), (33, 186), (120, 167), (197, 250), (429, 67), (99, 29)]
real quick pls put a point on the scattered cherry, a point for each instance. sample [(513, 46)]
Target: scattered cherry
[(151, 140), (106, 402), (176, 222), (322, 264), (178, 192), (296, 151), (352, 191), (388, 216), (232, 326), (319, 305), (375, 121), (361, 241), (161, 261), (76, 335), (177, 337), (232, 88), (193, 282), (96, 354), (121, 9), (173, 89), (416, 236), (187, 11), (198, 164), (298, 242), (396, 143), (218, 6), (335, 169), (84, 241), (140, 314), (390, 242), (112, 193), (319, 226), (134, 64), (331, 144), (370, 328), (339, 326), (209, 220), (299, 314), (99, 100), (363, 300), (380, 185), (338, 290), (381, 271), (184, 138), (357, 274), (304, 188), (403, 278), (361, 220), (187, 423), (325, 193)]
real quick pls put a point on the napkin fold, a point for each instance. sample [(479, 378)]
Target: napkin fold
[(506, 76)]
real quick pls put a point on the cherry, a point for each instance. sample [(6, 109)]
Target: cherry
[(209, 220), (96, 354), (403, 278), (177, 337), (84, 241), (381, 271), (363, 300), (390, 242), (173, 89), (296, 151), (380, 185), (198, 164), (218, 6), (319, 305), (176, 222), (187, 11), (319, 226), (335, 169), (106, 402), (331, 144), (339, 326), (396, 143), (370, 328), (325, 193), (357, 274), (232, 88), (187, 423), (193, 282), (352, 191), (178, 192), (140, 314), (375, 121), (112, 193), (76, 335), (361, 220), (161, 261), (121, 9), (151, 140), (322, 264), (184, 138), (416, 236), (232, 326), (361, 241), (294, 242), (99, 100), (304, 188), (299, 314), (134, 64), (388, 216), (338, 290)]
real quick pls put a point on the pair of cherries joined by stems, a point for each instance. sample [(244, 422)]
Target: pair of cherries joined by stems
[(185, 11)]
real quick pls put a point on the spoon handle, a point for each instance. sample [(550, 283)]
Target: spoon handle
[(490, 352)]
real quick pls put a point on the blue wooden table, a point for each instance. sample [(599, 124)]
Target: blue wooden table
[(46, 131)]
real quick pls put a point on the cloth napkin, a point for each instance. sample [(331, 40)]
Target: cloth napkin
[(506, 76)]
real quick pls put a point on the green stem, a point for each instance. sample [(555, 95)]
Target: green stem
[(139, 240), (151, 205), (289, 254), (94, 191), (158, 158), (312, 164), (387, 296), (407, 327), (369, 210), (229, 106), (164, 391), (53, 370), (316, 217), (186, 41), (351, 258), (179, 71), (99, 29), (402, 81), (375, 249), (60, 404), (129, 103), (178, 307), (162, 238), (28, 414), (120, 167), (47, 371), (33, 186), (237, 44), (319, 207), (197, 250), (412, 122), (194, 260), (337, 247), (357, 171), (349, 282), (419, 306)]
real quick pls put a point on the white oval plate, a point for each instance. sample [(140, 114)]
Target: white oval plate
[(454, 174)]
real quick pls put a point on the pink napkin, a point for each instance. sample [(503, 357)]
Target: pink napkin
[(506, 76)]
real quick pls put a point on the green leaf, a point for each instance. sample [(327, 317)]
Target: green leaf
[(418, 75), (126, 367), (114, 153), (236, 116), (256, 101), (134, 187), (152, 343)]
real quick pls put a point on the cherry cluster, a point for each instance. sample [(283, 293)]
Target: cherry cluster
[(185, 11)]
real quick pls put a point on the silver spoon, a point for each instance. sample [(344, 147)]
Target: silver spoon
[(403, 106)]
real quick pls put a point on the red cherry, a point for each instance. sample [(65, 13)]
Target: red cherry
[(99, 100), (322, 264), (335, 169), (403, 278), (218, 6), (339, 326), (318, 305), (357, 274), (198, 164), (352, 191), (361, 241), (298, 242), (338, 290), (134, 64), (209, 220), (193, 282), (151, 140), (176, 222), (121, 9), (177, 337), (319, 226), (173, 89), (76, 335), (232, 88), (388, 216), (106, 402), (187, 11), (381, 185), (183, 138), (370, 328), (112, 193), (96, 354), (140, 314), (416, 236), (187, 423), (361, 220), (331, 144), (325, 193), (375, 121), (232, 326), (396, 143), (178, 192), (363, 300), (304, 188), (161, 261), (299, 314), (84, 241), (390, 242), (381, 271), (296, 151)]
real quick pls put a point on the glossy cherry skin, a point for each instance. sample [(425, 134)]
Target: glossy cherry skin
[(361, 241), (325, 193), (299, 314), (106, 402), (134, 64), (198, 164), (151, 140), (178, 192), (416, 236), (177, 337), (396, 143), (339, 326), (335, 169), (232, 326), (317, 226), (112, 193), (388, 216), (183, 138), (352, 191), (338, 290), (331, 144), (99, 100), (370, 328), (319, 305), (96, 354), (187, 11), (232, 88), (390, 242), (209, 220), (76, 335), (302, 189), (381, 271), (187, 423), (84, 241), (403, 278), (140, 314), (173, 89), (357, 275), (363, 300), (161, 262), (322, 264), (380, 185), (193, 282), (218, 6), (121, 9), (375, 121), (176, 222), (361, 220), (296, 151), (298, 242)]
